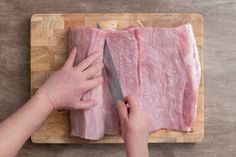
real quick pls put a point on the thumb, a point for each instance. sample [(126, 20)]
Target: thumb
[(122, 110)]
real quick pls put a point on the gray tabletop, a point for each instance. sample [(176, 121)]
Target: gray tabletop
[(220, 71)]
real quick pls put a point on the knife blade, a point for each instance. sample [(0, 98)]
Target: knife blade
[(112, 78), (110, 72)]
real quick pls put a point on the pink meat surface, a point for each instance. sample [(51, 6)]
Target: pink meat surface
[(124, 49), (169, 73), (92, 123), (160, 66)]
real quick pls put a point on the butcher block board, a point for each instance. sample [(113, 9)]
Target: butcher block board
[(49, 51)]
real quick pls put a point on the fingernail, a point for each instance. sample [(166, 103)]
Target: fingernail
[(118, 102)]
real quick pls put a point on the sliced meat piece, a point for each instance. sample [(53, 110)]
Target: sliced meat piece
[(125, 58), (124, 49), (89, 123), (169, 73), (193, 68)]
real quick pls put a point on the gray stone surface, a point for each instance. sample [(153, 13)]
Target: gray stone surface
[(220, 71)]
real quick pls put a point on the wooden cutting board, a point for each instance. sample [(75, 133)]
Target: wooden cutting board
[(48, 53)]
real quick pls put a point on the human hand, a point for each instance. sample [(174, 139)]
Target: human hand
[(133, 127), (66, 86)]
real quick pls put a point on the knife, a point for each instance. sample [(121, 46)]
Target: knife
[(112, 78), (110, 71)]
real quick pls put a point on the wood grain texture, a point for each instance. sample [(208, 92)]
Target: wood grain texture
[(219, 58), (49, 51)]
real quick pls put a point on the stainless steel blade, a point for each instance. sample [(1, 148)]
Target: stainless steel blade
[(110, 71), (113, 81)]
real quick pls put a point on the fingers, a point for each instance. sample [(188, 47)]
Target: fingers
[(133, 103), (86, 104), (70, 61), (122, 110), (88, 61), (90, 84), (94, 69)]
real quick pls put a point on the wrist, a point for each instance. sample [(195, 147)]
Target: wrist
[(136, 147), (44, 100)]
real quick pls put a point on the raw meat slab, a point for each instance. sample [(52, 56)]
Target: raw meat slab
[(159, 66)]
